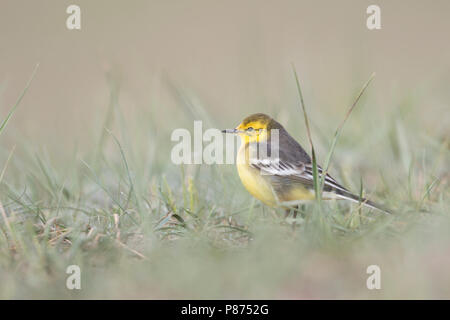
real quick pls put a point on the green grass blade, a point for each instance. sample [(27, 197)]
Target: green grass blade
[(13, 109), (339, 130), (308, 130), (127, 169)]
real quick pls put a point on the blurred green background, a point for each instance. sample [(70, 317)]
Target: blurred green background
[(141, 227)]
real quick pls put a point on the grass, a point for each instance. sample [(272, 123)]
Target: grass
[(141, 227), (13, 109)]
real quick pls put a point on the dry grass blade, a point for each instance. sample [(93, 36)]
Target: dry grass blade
[(5, 218), (6, 163), (137, 253)]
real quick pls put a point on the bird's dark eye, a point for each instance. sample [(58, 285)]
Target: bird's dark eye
[(250, 129)]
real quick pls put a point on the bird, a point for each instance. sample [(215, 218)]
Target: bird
[(275, 169)]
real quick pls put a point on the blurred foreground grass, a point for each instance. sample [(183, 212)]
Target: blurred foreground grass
[(141, 227)]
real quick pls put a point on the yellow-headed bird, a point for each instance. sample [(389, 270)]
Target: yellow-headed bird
[(275, 169)]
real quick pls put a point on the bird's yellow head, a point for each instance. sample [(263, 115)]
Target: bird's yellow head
[(254, 128)]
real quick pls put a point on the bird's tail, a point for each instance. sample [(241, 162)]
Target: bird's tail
[(366, 202)]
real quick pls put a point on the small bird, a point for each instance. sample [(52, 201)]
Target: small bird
[(275, 169)]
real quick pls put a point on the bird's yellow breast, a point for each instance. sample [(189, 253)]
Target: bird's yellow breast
[(260, 186), (253, 181)]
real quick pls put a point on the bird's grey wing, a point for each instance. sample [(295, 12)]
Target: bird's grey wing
[(290, 164)]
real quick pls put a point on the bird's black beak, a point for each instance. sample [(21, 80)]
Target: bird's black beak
[(229, 131)]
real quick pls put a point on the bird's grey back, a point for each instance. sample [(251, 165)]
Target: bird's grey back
[(289, 149)]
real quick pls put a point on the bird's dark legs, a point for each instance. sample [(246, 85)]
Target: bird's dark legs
[(288, 212), (295, 217)]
